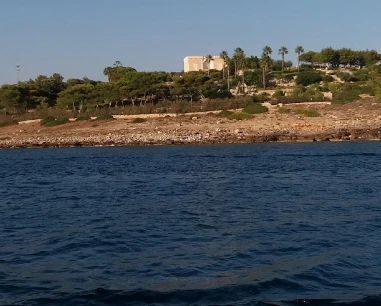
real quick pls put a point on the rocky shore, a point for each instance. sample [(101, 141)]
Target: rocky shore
[(358, 121)]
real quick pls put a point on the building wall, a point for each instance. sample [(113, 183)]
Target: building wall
[(197, 63)]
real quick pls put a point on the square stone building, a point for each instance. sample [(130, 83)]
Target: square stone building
[(196, 63)]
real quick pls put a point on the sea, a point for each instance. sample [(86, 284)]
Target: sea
[(246, 224)]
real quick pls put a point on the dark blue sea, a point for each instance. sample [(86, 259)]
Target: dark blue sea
[(257, 224)]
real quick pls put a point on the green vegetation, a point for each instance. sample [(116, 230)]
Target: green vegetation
[(260, 98), (51, 121), (278, 93), (284, 110), (105, 116), (8, 123), (224, 114), (327, 78), (234, 115), (128, 91), (255, 108), (346, 93), (83, 118), (240, 116), (307, 77)]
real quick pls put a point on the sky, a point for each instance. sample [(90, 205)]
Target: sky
[(79, 38)]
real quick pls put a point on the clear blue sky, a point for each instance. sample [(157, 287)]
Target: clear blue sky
[(79, 38)]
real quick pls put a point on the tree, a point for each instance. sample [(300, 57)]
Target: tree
[(12, 98), (371, 57), (75, 97), (330, 56), (277, 65), (265, 63), (46, 89), (208, 58), (299, 50), (252, 62), (240, 63), (107, 72), (267, 50), (225, 56), (283, 51), (306, 78), (117, 72), (266, 55), (238, 58), (347, 56), (253, 78), (309, 57)]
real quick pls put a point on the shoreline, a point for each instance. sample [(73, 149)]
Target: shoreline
[(112, 145), (188, 138), (359, 120)]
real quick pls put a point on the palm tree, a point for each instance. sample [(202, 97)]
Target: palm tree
[(265, 62), (225, 56), (267, 50), (299, 50), (238, 55), (208, 58), (240, 63), (282, 51)]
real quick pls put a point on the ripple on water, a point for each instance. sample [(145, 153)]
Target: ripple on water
[(263, 224)]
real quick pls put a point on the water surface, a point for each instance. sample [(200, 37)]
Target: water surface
[(261, 224)]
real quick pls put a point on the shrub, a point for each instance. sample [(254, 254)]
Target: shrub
[(343, 97), (83, 118), (47, 120), (222, 94), (51, 121), (361, 75), (368, 90), (378, 94), (8, 123), (105, 117), (298, 91), (346, 94), (299, 111), (327, 78), (289, 99), (307, 77), (278, 93), (255, 109), (260, 98), (324, 88), (223, 104), (224, 114), (240, 116), (284, 110), (289, 76), (346, 77), (138, 120)]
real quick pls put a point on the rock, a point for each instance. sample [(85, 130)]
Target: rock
[(194, 118)]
